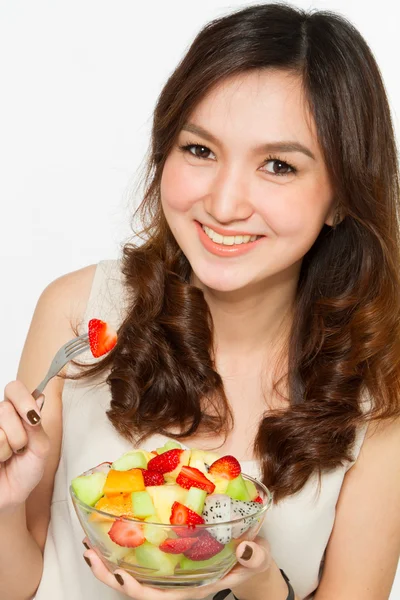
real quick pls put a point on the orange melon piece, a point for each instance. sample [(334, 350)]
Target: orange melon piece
[(123, 482), (115, 505)]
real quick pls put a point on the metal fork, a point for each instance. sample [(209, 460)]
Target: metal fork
[(66, 353)]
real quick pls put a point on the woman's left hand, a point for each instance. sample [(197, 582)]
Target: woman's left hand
[(253, 558)]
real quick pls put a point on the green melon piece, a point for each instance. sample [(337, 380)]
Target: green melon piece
[(251, 488), (186, 564), (170, 445), (195, 499), (142, 505), (89, 488), (152, 557), (153, 534), (237, 489), (130, 460)]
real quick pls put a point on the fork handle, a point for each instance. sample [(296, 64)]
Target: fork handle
[(39, 390), (36, 393)]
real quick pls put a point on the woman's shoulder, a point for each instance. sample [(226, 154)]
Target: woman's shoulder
[(75, 294), (68, 295)]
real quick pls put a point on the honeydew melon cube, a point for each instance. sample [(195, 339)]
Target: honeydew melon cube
[(142, 504), (237, 489), (251, 488), (195, 499), (153, 534), (130, 460), (170, 445), (152, 557), (89, 488)]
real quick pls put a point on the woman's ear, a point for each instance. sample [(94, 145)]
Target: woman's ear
[(334, 216)]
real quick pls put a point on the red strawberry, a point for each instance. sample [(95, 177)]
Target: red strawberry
[(102, 338), (191, 477), (126, 534), (205, 547), (152, 478), (182, 515), (227, 467), (259, 500), (165, 462), (178, 545)]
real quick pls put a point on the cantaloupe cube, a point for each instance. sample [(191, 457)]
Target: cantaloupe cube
[(123, 482)]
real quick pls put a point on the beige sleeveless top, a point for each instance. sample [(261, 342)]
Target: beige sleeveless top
[(298, 528)]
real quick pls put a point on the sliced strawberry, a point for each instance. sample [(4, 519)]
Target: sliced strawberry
[(227, 467), (191, 477), (259, 500), (152, 478), (129, 535), (166, 462), (177, 546), (182, 515), (205, 547), (102, 337)]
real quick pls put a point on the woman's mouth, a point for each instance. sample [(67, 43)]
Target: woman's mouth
[(227, 245), (229, 240)]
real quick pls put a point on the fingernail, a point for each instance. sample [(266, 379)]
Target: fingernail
[(86, 546), (248, 553), (21, 450), (119, 578), (88, 561), (33, 417)]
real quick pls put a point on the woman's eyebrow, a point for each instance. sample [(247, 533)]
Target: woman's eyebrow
[(284, 146)]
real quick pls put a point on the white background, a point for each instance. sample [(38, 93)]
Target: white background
[(79, 80)]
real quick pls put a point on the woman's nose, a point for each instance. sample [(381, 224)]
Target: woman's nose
[(228, 198)]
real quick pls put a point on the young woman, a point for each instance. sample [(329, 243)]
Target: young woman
[(260, 317)]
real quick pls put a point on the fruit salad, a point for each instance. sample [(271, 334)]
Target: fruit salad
[(171, 510)]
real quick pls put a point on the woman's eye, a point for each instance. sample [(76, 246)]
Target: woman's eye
[(279, 167), (197, 150)]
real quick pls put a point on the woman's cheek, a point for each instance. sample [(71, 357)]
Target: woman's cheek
[(181, 186)]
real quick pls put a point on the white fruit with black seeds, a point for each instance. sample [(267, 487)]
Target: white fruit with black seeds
[(220, 507), (217, 509), (240, 509)]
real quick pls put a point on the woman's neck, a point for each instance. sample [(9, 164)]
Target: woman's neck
[(249, 322)]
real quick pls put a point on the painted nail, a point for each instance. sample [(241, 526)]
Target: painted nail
[(21, 450), (248, 553), (86, 546), (88, 561), (33, 417), (119, 578), (222, 595)]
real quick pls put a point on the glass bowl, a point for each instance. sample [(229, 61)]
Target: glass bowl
[(154, 567)]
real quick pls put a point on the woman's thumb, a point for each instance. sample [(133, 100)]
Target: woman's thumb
[(253, 556)]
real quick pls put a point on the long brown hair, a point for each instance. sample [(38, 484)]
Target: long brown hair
[(345, 339)]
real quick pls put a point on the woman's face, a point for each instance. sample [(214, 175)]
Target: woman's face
[(252, 167)]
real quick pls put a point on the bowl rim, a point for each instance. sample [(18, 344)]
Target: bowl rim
[(264, 508)]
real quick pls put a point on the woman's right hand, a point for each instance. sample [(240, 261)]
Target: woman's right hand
[(24, 446)]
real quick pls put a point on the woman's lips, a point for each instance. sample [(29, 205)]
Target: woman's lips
[(225, 250)]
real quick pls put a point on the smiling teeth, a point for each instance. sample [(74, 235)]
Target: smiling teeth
[(228, 240)]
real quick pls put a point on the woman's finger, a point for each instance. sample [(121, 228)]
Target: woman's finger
[(254, 556)]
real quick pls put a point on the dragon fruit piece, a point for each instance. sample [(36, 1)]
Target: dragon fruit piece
[(217, 509), (240, 509)]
